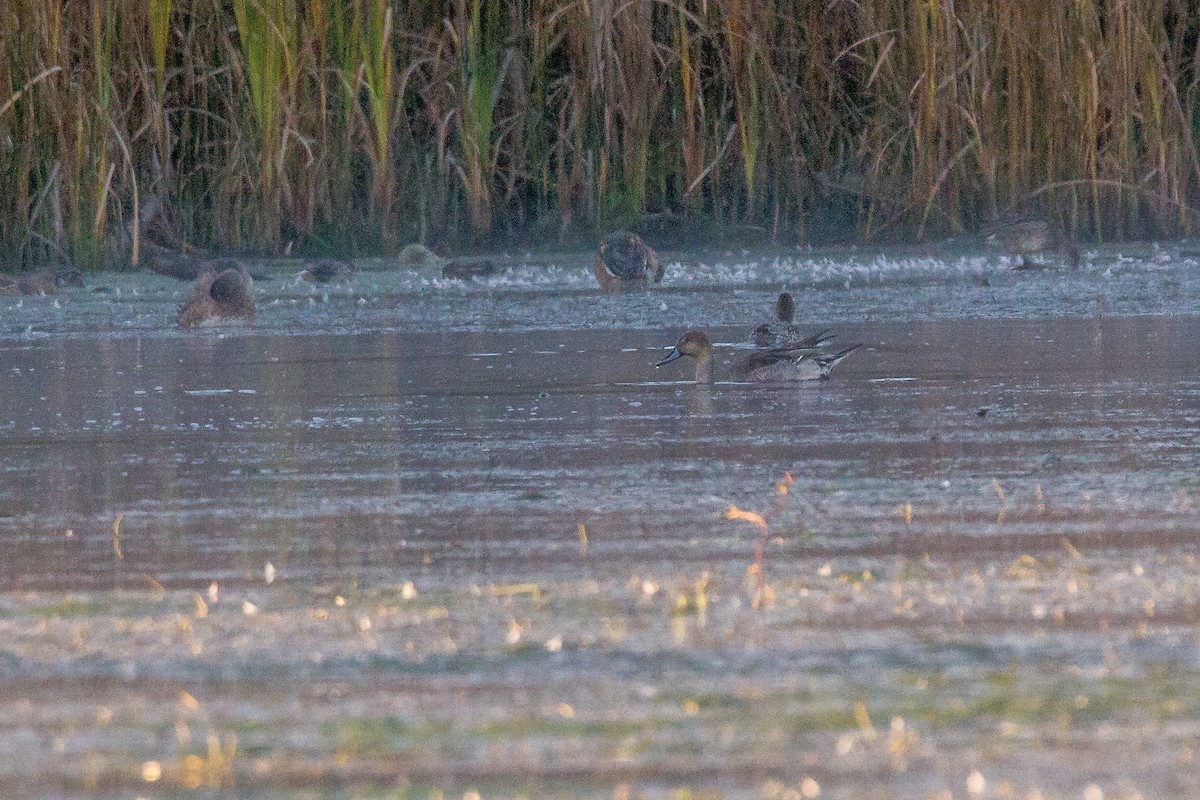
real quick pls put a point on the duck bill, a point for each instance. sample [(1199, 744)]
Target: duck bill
[(674, 355)]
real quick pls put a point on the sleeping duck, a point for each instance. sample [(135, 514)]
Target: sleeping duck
[(623, 259), (219, 296)]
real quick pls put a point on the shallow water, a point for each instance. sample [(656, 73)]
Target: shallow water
[(408, 536)]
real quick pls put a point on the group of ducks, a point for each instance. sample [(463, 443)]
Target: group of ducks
[(45, 281), (222, 293), (781, 352), (624, 260), (222, 290)]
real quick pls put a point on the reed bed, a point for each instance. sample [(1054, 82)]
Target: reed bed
[(357, 125)]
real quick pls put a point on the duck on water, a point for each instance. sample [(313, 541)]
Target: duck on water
[(623, 259), (219, 296), (800, 362)]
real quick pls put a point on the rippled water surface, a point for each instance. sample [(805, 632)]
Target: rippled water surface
[(410, 536)]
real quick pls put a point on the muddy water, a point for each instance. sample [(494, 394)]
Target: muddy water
[(408, 537)]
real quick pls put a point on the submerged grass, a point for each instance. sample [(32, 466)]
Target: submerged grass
[(359, 124)]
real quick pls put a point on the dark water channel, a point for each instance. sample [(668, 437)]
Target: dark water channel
[(412, 539)]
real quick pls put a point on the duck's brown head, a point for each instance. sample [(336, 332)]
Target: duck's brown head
[(785, 308), (694, 344)]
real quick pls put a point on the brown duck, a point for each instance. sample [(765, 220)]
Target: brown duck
[(623, 259), (41, 282), (800, 362), (1024, 238), (219, 296), (327, 270)]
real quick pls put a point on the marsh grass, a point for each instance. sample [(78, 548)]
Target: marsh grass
[(356, 125)]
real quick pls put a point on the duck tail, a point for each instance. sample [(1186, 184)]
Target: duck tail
[(827, 363)]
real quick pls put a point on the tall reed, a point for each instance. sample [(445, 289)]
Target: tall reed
[(357, 124)]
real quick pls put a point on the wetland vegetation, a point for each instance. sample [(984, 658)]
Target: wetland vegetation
[(437, 528), (342, 126)]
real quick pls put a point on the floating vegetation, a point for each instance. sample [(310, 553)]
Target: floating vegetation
[(762, 592)]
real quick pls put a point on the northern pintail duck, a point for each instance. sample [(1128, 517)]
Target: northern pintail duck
[(41, 282), (782, 332), (420, 258), (327, 270), (174, 264), (1023, 238), (219, 296), (68, 278), (623, 259), (787, 363), (467, 268), (190, 266)]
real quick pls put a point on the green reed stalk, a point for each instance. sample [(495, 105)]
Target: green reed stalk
[(345, 123), (260, 26), (689, 87), (747, 89), (375, 26), (160, 32), (482, 75)]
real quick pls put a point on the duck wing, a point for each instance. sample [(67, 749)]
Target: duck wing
[(760, 360)]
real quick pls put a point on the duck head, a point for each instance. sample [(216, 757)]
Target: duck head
[(785, 308), (692, 343)]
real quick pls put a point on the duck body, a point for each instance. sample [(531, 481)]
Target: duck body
[(623, 259), (783, 332), (45, 281), (174, 264), (420, 258), (1024, 238), (466, 269), (68, 278), (327, 270), (790, 363), (219, 296), (786, 363), (38, 283), (190, 266)]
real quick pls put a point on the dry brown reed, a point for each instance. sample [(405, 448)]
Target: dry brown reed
[(359, 124)]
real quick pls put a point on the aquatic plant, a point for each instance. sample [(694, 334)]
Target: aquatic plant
[(359, 124), (763, 593)]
